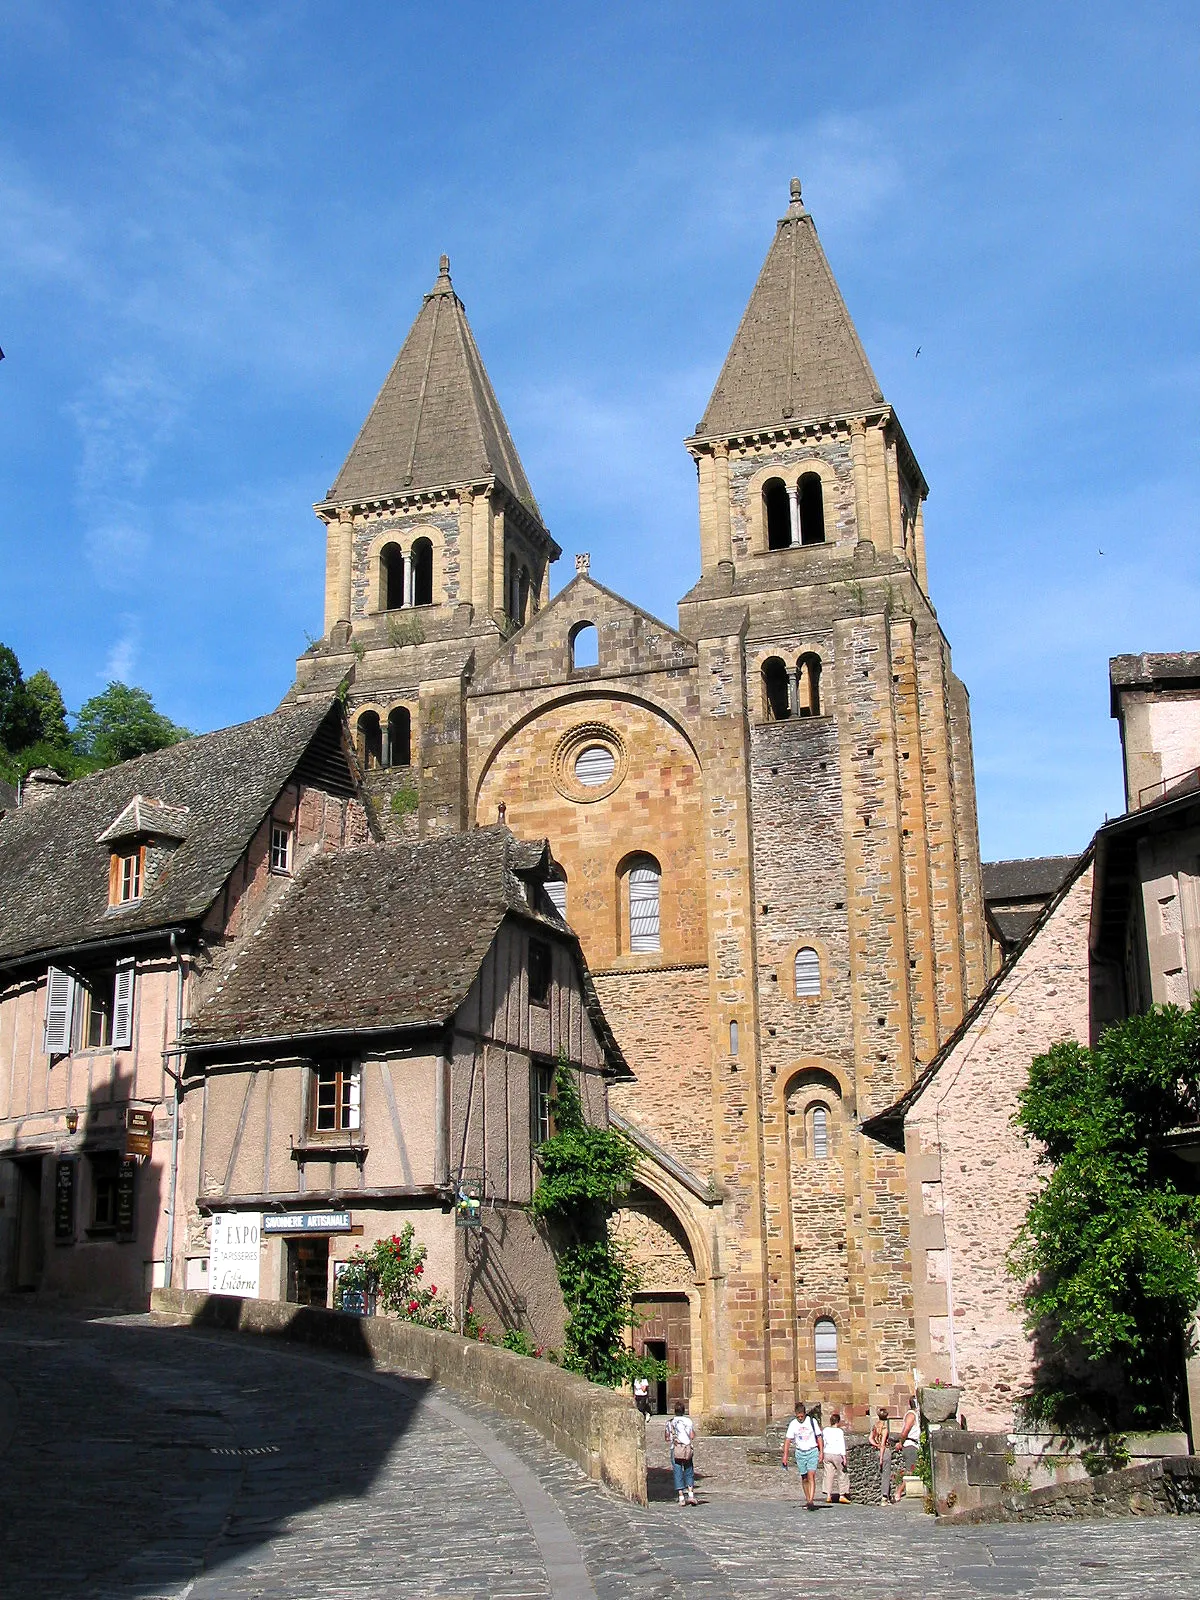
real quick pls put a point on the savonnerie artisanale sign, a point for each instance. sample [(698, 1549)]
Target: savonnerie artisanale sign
[(307, 1222), (233, 1253)]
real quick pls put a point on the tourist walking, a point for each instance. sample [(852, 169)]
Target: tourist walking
[(881, 1438), (833, 1450), (680, 1434), (804, 1438), (641, 1395), (910, 1437)]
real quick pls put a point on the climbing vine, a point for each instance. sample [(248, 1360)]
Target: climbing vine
[(585, 1172)]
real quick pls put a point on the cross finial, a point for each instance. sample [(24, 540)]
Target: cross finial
[(583, 563), (796, 209), (444, 260)]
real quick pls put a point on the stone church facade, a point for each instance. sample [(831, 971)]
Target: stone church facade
[(765, 817)]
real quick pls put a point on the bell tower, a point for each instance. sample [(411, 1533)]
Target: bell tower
[(860, 937)]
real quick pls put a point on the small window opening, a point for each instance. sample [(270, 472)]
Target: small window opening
[(399, 727), (777, 513), (540, 967), (337, 1099), (523, 593), (820, 1133), (391, 578), (585, 646), (96, 1011), (370, 740), (812, 509), (808, 686), (281, 847), (125, 876), (422, 568), (825, 1345), (541, 1102), (645, 878), (733, 1038), (556, 890), (777, 697), (808, 973)]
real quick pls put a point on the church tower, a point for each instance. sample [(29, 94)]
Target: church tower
[(860, 942), (436, 552)]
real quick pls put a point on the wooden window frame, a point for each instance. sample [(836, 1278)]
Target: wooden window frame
[(118, 880), (344, 1102), (288, 834), (541, 1103), (540, 971)]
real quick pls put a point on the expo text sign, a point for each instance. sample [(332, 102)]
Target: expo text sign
[(233, 1253)]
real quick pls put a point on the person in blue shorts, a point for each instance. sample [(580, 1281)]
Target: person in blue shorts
[(804, 1439)]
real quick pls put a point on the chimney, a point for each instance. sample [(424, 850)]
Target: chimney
[(41, 784)]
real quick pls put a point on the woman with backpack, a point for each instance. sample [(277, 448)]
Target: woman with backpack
[(680, 1434)]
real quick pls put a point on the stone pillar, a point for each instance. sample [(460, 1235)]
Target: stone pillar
[(499, 585), (858, 458), (892, 465), (345, 563), (724, 535), (877, 489), (466, 552), (333, 553), (481, 555), (706, 469), (919, 546), (794, 511), (408, 579)]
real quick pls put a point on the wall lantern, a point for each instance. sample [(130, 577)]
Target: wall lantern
[(72, 1120)]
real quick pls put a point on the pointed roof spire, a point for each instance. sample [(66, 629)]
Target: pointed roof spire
[(436, 421), (796, 353)]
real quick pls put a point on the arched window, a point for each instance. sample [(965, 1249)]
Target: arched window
[(556, 889), (523, 592), (370, 740), (422, 573), (777, 514), (812, 509), (820, 1133), (825, 1344), (513, 601), (585, 646), (399, 727), (808, 973), (777, 698), (644, 878), (808, 686), (391, 578)]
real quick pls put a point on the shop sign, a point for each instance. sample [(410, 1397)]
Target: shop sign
[(233, 1253), (139, 1132), (64, 1200), (126, 1173), (306, 1222)]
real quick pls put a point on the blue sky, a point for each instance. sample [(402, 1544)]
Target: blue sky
[(216, 225)]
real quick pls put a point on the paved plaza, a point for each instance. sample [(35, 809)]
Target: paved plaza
[(142, 1460)]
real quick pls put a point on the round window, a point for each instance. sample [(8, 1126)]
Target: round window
[(594, 765)]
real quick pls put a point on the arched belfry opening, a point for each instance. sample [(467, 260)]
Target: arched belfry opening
[(808, 686), (777, 514), (812, 509), (391, 578), (585, 646), (422, 570), (399, 743), (370, 740), (777, 690)]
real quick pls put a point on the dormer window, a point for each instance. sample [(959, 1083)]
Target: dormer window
[(126, 869), (281, 847)]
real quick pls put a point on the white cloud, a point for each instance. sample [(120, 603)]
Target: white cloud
[(123, 419), (123, 655)]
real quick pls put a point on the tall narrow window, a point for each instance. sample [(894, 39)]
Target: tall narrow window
[(825, 1345), (808, 686), (645, 877), (281, 847), (337, 1099), (808, 973), (514, 591), (125, 876), (820, 1134), (391, 578), (541, 1102), (370, 740), (733, 1038), (96, 1012), (422, 568), (541, 966), (523, 590), (399, 737), (777, 698), (812, 509), (777, 514), (556, 890)]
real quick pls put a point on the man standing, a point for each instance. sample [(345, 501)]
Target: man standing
[(804, 1437)]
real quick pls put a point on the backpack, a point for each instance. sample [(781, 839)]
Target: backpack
[(681, 1448)]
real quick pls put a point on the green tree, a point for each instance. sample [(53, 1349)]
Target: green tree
[(18, 712), (122, 723), (51, 709), (1109, 1254)]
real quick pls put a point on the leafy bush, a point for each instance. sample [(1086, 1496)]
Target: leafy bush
[(520, 1343), (392, 1270)]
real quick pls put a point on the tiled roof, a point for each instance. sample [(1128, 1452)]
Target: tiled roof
[(1033, 878), (54, 869), (436, 421), (8, 796), (796, 353), (383, 936), (149, 817)]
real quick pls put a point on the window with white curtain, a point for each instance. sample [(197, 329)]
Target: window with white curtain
[(808, 973), (825, 1345), (644, 926), (820, 1133)]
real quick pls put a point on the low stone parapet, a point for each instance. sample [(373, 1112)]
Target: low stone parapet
[(1170, 1487), (594, 1426)]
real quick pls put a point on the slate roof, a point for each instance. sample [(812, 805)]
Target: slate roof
[(54, 869), (384, 936), (796, 353), (145, 816), (1033, 878), (8, 796), (436, 421)]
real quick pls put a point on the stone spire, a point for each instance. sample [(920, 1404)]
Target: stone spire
[(436, 422), (796, 354)]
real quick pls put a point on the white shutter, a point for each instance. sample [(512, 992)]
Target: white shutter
[(808, 973), (557, 893), (60, 1008), (595, 765), (122, 1015), (825, 1341), (643, 909), (352, 1090)]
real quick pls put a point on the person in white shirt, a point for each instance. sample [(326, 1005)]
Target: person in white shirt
[(680, 1434), (804, 1437), (641, 1395), (837, 1477)]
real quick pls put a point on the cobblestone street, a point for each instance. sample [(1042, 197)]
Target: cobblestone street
[(141, 1460)]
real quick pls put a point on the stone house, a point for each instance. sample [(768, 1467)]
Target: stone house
[(122, 898), (765, 816), (385, 1047), (1121, 933)]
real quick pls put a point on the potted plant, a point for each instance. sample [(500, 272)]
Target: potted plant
[(939, 1401)]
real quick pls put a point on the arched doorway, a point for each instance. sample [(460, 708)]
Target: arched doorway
[(665, 1304)]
